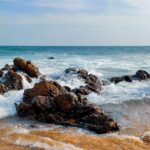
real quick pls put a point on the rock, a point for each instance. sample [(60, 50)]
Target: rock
[(120, 79), (142, 75), (44, 88), (13, 81), (24, 110), (82, 74), (81, 90), (27, 67), (91, 79), (42, 104), (66, 102), (71, 70), (3, 89), (1, 73), (51, 57), (7, 67), (50, 103), (67, 88)]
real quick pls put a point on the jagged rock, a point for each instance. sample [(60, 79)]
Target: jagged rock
[(12, 81), (42, 104), (66, 102), (48, 102), (25, 110), (44, 88), (81, 90), (27, 67)]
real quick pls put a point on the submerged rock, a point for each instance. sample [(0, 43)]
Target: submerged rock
[(27, 67), (49, 102), (51, 57)]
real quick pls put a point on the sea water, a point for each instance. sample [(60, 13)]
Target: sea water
[(128, 103)]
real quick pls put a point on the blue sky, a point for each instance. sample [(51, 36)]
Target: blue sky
[(74, 22)]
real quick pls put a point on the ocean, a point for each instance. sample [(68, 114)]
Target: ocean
[(128, 103)]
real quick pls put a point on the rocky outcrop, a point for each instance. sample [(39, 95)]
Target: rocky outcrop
[(44, 88), (140, 75), (27, 67), (93, 84), (11, 81), (49, 102)]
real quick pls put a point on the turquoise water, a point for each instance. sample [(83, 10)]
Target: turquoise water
[(106, 61)]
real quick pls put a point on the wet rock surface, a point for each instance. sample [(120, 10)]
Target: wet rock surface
[(93, 84), (140, 75), (27, 67), (49, 102), (11, 81)]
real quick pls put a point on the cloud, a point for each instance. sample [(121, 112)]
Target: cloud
[(84, 6)]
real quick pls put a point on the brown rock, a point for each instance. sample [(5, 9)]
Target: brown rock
[(13, 81), (42, 104), (27, 67), (25, 110), (3, 89), (66, 102), (82, 74), (44, 88)]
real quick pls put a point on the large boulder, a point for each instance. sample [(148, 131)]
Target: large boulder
[(43, 88), (27, 67), (49, 102)]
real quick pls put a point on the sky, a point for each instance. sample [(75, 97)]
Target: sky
[(75, 22)]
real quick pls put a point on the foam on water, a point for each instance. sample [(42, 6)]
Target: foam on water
[(121, 92)]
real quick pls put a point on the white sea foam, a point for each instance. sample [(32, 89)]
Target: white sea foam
[(121, 92), (8, 100), (46, 143)]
